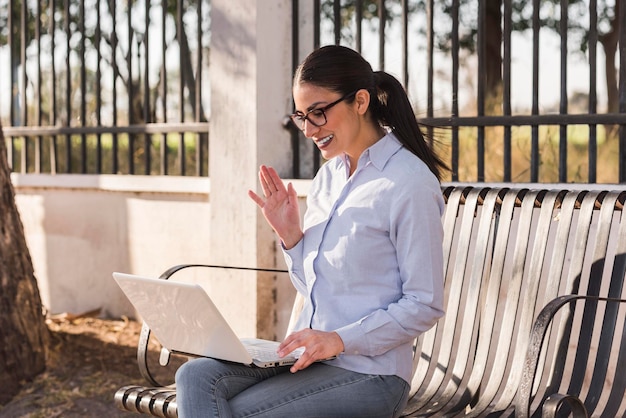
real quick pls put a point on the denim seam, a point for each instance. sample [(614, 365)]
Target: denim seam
[(396, 410)]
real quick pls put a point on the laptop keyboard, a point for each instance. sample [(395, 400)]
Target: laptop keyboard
[(263, 354), (268, 353)]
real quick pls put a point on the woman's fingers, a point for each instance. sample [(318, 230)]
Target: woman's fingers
[(319, 345), (270, 181), (264, 180), (257, 199), (273, 179)]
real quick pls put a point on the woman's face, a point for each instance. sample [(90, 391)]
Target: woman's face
[(344, 119)]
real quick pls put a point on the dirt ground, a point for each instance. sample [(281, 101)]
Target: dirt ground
[(89, 359)]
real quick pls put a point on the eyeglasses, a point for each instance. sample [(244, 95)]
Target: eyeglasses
[(317, 117)]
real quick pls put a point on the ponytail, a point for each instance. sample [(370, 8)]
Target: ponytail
[(391, 107)]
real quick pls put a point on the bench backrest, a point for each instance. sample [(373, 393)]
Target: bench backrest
[(508, 253)]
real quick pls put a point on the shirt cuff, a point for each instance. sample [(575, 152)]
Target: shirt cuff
[(354, 339), (293, 256)]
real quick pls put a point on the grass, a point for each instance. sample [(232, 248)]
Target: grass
[(106, 144), (577, 151)]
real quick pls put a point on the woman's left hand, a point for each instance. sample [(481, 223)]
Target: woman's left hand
[(279, 206), (318, 345)]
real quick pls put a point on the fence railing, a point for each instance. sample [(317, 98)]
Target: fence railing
[(530, 91), (107, 87)]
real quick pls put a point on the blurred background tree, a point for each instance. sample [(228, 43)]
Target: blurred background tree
[(23, 331)]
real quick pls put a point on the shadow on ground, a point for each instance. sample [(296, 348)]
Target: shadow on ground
[(89, 360)]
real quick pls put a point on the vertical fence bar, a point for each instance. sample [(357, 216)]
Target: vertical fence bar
[(14, 87), (83, 90), (68, 89), (622, 91), (480, 94), (199, 136), (114, 41), (430, 42), (181, 90), (405, 43), (130, 88), (24, 101), (430, 59), (317, 18), (382, 20), (294, 135), (563, 101), (455, 89), (98, 39), (358, 13), (23, 79), (164, 150), (337, 22), (39, 138), (506, 89), (13, 81), (146, 89), (534, 150), (593, 99), (53, 87), (295, 59)]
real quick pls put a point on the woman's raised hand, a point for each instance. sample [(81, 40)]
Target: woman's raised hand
[(279, 206)]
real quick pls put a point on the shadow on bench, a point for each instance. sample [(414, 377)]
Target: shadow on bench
[(535, 310)]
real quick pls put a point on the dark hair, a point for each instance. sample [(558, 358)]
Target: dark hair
[(344, 70)]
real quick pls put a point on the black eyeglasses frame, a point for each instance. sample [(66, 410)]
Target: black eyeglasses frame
[(298, 118)]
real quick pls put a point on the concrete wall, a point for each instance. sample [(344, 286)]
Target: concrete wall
[(81, 228)]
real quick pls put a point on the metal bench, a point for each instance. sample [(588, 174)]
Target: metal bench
[(535, 316)]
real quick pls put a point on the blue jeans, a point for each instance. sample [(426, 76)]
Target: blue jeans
[(211, 388)]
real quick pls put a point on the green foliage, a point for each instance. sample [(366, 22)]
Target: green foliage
[(106, 144)]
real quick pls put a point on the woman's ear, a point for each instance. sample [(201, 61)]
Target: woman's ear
[(362, 99)]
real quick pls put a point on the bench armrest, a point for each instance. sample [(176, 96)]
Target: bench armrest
[(144, 337), (531, 364)]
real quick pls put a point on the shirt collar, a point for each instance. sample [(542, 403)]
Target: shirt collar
[(382, 150), (378, 154)]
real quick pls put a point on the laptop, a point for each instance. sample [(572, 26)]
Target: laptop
[(185, 320)]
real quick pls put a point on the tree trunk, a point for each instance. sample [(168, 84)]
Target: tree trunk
[(23, 331)]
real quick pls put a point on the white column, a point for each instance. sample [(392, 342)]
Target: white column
[(250, 78)]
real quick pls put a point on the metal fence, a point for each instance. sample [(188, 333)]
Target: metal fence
[(513, 91), (97, 87), (463, 62)]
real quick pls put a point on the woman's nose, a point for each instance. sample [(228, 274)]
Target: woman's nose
[(309, 129)]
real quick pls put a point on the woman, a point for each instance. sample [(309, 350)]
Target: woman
[(368, 259)]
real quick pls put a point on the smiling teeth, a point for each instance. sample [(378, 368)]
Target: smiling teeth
[(325, 140)]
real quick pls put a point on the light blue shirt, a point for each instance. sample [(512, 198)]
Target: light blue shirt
[(370, 264)]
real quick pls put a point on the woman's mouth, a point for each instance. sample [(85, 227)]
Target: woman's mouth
[(322, 142)]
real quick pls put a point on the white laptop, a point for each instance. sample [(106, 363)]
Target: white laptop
[(184, 319)]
